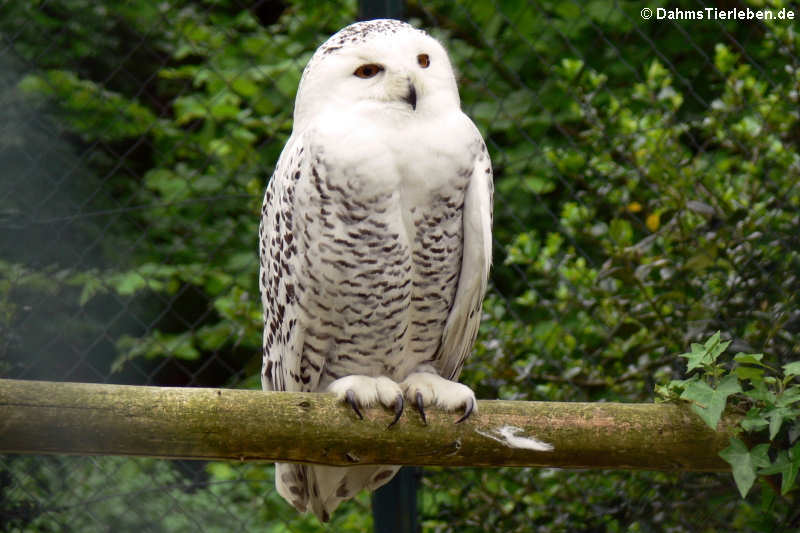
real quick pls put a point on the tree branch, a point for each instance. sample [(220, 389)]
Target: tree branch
[(39, 417)]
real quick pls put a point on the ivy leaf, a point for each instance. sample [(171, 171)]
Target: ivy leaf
[(749, 358), (787, 464), (744, 463), (792, 369), (794, 431), (754, 420), (776, 417), (666, 392), (760, 393), (748, 372), (698, 392), (715, 347), (789, 396), (755, 375), (695, 357), (672, 390), (705, 354), (708, 402)]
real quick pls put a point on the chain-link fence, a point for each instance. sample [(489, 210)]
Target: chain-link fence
[(646, 166)]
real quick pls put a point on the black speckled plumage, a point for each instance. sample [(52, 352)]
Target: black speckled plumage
[(375, 240)]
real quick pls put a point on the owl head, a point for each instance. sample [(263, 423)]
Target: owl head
[(378, 66)]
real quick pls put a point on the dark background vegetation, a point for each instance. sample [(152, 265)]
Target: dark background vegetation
[(647, 196)]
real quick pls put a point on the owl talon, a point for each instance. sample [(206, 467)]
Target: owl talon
[(421, 407), (467, 410), (350, 396), (398, 410)]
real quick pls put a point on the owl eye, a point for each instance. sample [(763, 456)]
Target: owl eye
[(423, 60), (368, 71)]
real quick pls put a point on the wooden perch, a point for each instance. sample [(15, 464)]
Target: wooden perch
[(39, 417)]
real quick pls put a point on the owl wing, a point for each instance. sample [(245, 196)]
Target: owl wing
[(281, 368), (284, 367), (461, 328)]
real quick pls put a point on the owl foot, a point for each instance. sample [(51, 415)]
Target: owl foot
[(420, 405), (366, 391), (424, 389)]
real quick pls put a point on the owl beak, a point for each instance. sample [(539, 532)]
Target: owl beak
[(411, 97)]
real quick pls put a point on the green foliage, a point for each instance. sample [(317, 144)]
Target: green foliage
[(662, 221), (658, 235), (152, 495), (89, 108), (769, 401), (230, 87)]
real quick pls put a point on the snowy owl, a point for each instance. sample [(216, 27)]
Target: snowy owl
[(375, 241)]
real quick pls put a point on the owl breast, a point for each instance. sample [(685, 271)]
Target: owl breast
[(381, 244)]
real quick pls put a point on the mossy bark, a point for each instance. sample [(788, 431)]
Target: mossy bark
[(191, 423)]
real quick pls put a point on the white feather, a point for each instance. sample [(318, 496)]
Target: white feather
[(465, 316), (375, 240)]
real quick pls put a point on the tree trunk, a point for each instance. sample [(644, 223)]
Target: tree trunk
[(228, 424)]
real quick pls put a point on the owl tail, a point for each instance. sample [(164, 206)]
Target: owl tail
[(322, 488)]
